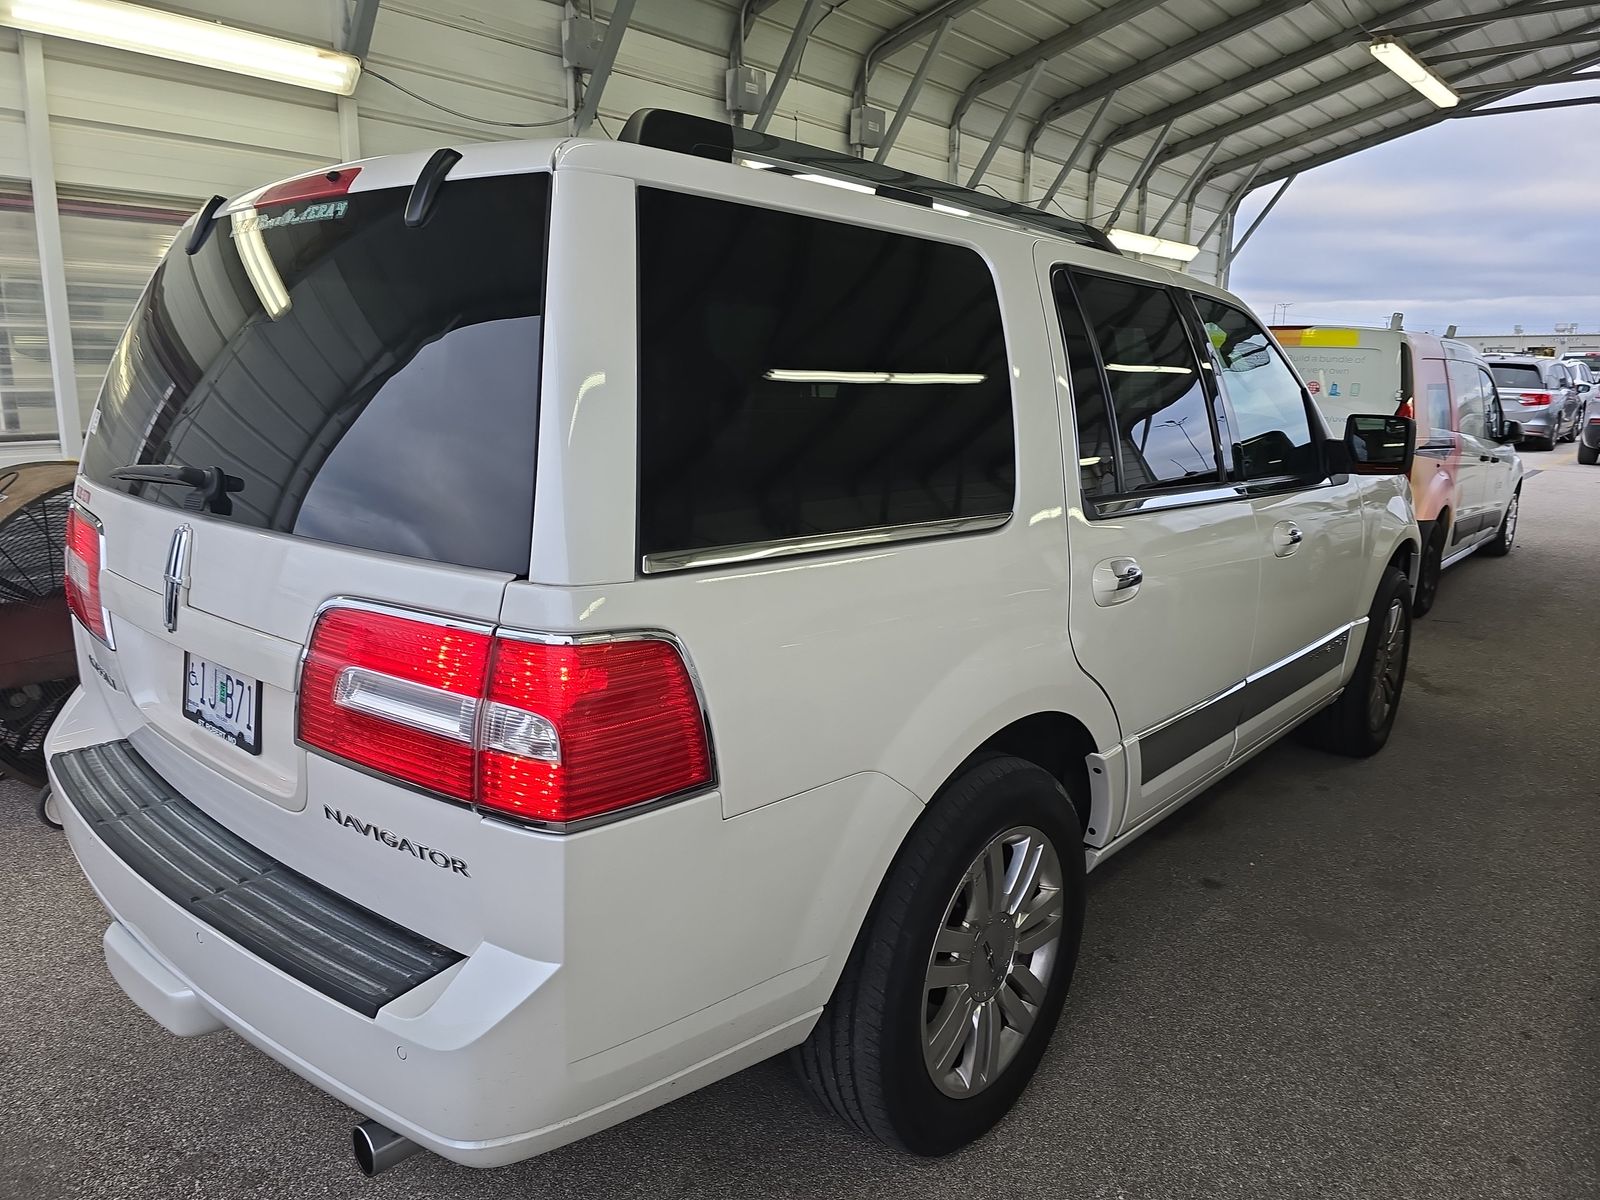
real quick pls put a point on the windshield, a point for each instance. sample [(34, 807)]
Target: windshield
[(371, 384), (1517, 375)]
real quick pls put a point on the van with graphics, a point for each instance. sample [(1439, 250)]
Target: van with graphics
[(1466, 481)]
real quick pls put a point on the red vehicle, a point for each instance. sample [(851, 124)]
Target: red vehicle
[(37, 666)]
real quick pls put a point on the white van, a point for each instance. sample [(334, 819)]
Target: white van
[(1466, 483), (564, 621)]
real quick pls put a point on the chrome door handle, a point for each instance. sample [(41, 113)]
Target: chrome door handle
[(1130, 576), (1295, 536)]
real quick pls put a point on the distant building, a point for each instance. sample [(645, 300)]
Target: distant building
[(1522, 341)]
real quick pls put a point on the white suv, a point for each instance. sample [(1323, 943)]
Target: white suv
[(564, 621)]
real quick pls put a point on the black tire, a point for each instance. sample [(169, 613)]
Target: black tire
[(864, 1061), (1588, 455), (1350, 726), (47, 807), (1432, 567), (1500, 545)]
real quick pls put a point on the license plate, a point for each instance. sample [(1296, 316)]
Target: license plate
[(224, 702)]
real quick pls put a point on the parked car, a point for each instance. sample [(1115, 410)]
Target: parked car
[(564, 621), (1589, 358), (1466, 482), (1541, 395), (1589, 439)]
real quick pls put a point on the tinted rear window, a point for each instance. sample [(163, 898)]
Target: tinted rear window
[(801, 377), (374, 385), (1514, 375)]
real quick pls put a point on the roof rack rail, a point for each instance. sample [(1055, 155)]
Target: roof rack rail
[(706, 138)]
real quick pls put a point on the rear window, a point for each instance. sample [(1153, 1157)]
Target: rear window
[(1517, 375), (373, 385), (801, 377)]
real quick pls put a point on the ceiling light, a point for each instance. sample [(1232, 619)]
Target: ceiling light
[(1143, 243), (913, 377), (258, 264), (186, 39), (951, 209), (1398, 59)]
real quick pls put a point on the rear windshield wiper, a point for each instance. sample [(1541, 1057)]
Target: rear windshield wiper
[(213, 483)]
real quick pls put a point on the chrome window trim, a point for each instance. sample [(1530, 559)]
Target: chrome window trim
[(663, 562), (1158, 501), (492, 630)]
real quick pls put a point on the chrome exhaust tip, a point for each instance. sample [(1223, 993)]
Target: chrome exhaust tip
[(377, 1147)]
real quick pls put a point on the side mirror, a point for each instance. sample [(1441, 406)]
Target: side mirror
[(1511, 433), (1380, 445)]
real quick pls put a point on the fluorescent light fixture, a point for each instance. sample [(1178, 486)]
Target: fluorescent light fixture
[(913, 377), (846, 184), (1143, 243), (1398, 59), (258, 264), (1148, 369), (186, 39)]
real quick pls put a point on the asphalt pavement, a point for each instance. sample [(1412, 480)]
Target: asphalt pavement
[(1323, 978)]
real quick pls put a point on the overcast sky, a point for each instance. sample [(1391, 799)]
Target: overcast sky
[(1483, 222)]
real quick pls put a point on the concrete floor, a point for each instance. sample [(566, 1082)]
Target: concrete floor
[(1324, 978)]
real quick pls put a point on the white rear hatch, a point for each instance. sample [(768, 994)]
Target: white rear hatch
[(372, 389)]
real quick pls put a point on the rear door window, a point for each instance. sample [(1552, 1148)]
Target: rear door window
[(1468, 381), (800, 377), (1160, 421), (373, 385)]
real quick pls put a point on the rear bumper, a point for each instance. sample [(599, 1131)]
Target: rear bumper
[(502, 1056), (1536, 423)]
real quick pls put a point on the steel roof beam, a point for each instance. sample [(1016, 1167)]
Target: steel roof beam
[(917, 80), (993, 147), (1359, 118), (1235, 198), (748, 12), (1052, 47), (621, 14), (1334, 86), (1540, 106), (1232, 87), (1145, 167), (1387, 135), (1473, 20), (907, 34), (1077, 151), (1189, 185), (809, 16), (1554, 43), (358, 28), (1159, 62), (1261, 216)]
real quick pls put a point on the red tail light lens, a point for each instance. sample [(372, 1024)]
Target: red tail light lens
[(553, 733), (1405, 410), (1536, 399), (626, 723), (397, 695), (83, 572)]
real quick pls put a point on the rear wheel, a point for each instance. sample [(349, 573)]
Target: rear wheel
[(959, 974), (1432, 567), (1500, 545), (1359, 722), (1588, 455)]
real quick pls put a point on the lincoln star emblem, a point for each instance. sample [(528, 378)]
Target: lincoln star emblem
[(177, 571)]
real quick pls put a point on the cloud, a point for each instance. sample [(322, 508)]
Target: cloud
[(1483, 222)]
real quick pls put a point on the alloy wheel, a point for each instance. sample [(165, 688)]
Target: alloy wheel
[(1511, 518), (992, 961), (1388, 667)]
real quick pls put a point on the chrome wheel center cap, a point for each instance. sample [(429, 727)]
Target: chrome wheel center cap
[(996, 948)]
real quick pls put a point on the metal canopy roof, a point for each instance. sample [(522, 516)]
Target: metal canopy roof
[(1187, 96)]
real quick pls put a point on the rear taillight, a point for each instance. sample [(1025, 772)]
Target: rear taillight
[(83, 562), (1535, 399), (1405, 410), (553, 732)]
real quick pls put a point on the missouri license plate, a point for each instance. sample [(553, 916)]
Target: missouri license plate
[(224, 702)]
